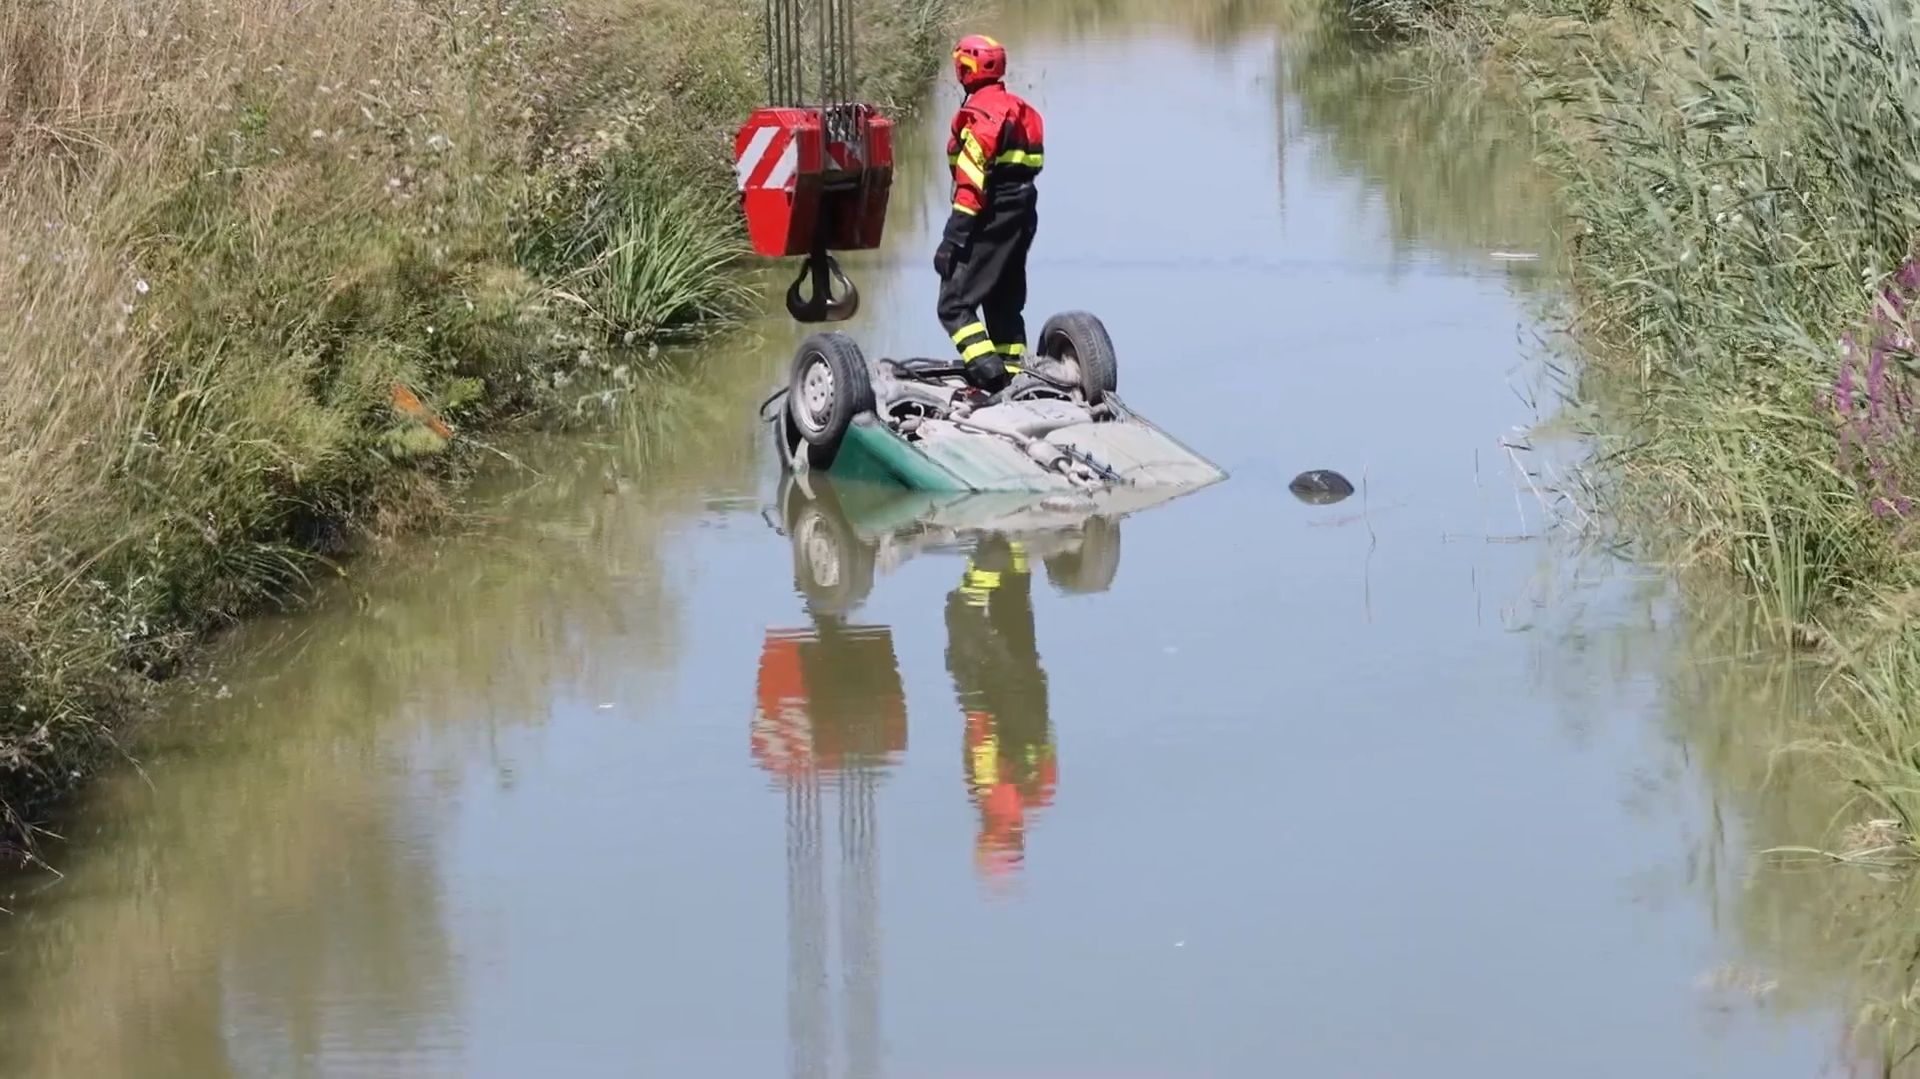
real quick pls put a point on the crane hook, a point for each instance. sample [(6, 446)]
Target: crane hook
[(822, 306)]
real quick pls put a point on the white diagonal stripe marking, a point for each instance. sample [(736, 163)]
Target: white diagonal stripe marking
[(756, 149), (783, 170)]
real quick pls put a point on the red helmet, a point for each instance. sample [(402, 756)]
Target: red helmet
[(979, 60)]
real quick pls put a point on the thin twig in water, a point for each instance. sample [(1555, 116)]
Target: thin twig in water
[(1545, 510), (1586, 519), (1473, 578), (1523, 537), (1479, 492), (507, 457), (1373, 541), (129, 758), (1366, 510)]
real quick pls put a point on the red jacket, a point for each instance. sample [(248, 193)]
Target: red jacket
[(996, 138)]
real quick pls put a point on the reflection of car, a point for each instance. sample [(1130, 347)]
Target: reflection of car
[(915, 423), (845, 533)]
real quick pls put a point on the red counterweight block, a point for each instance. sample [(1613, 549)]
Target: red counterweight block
[(796, 180)]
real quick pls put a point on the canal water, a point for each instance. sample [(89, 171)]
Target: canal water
[(1378, 788)]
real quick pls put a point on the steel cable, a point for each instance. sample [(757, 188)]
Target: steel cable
[(832, 31)]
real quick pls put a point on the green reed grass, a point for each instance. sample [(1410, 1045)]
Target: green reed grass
[(643, 259), (1739, 185)]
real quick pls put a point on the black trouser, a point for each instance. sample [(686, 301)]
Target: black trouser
[(990, 276)]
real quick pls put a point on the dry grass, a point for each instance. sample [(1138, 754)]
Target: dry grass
[(236, 232)]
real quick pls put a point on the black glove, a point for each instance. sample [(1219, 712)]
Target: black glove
[(988, 372), (953, 242)]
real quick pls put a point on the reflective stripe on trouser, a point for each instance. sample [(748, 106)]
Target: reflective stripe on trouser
[(973, 341), (988, 282), (978, 584)]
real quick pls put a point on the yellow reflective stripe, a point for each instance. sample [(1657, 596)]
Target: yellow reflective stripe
[(1019, 556), (968, 210), (990, 42), (1016, 350), (1013, 368), (986, 764), (968, 330), (983, 580), (1031, 159), (971, 171), (976, 350), (972, 161)]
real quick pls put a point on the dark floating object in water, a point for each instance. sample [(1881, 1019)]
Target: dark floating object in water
[(1320, 487)]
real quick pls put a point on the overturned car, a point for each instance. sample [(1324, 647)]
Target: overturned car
[(1060, 426)]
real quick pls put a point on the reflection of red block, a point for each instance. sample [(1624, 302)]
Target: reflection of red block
[(828, 700), (796, 177), (1005, 809)]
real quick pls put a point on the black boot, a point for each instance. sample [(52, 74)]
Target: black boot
[(988, 372)]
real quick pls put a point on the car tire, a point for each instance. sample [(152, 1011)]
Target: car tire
[(1092, 567), (1080, 337), (832, 570), (827, 387)]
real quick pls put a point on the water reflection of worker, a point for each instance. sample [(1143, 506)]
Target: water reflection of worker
[(991, 653)]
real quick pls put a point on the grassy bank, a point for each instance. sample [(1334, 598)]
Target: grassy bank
[(269, 268), (1741, 200)]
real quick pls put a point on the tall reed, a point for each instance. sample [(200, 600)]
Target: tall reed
[(1742, 205)]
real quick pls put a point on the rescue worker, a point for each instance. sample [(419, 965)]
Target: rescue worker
[(996, 153), (991, 654)]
